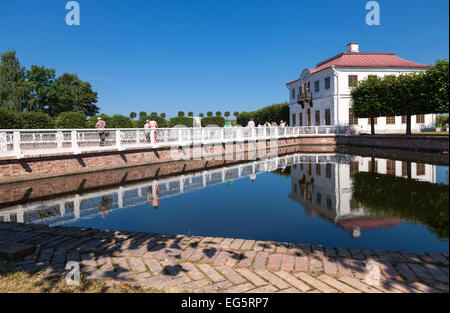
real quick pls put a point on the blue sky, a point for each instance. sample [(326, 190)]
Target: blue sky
[(201, 55)]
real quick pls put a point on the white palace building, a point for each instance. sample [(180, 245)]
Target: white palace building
[(321, 96)]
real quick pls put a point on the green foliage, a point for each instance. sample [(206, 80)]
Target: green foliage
[(142, 113), (133, 115), (209, 113), (36, 120), (69, 120), (10, 120), (272, 113), (191, 114), (163, 115), (436, 80), (227, 114), (153, 114), (415, 201), (441, 120), (14, 89), (180, 114), (236, 114), (218, 113), (181, 120), (201, 115), (213, 120), (120, 121), (93, 120), (368, 99), (162, 122)]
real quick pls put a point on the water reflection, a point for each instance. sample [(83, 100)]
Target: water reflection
[(356, 194)]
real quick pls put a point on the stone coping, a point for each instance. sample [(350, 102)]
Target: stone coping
[(178, 263)]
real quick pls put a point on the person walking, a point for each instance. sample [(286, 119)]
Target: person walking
[(251, 123), (153, 125), (147, 131), (101, 125)]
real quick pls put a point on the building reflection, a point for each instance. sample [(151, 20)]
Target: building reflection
[(325, 189)]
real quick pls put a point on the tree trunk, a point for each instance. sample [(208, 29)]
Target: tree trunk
[(408, 124), (372, 125)]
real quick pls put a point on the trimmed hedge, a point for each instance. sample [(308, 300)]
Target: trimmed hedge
[(213, 120), (10, 120), (162, 123), (273, 113), (120, 121), (68, 120), (181, 120), (37, 120)]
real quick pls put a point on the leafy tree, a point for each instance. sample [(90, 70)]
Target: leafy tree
[(37, 120), (133, 115), (367, 99), (163, 115), (227, 114), (142, 113), (436, 80), (162, 122), (181, 120), (14, 89), (200, 114), (218, 113), (40, 79), (69, 120), (209, 114), (213, 120), (236, 114), (153, 114), (180, 114), (191, 114), (10, 119), (275, 112), (120, 121), (69, 93)]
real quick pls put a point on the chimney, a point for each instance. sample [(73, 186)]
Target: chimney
[(353, 47)]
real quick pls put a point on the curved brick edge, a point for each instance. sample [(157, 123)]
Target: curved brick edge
[(178, 263)]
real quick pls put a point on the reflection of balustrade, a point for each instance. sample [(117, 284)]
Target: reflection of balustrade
[(85, 206)]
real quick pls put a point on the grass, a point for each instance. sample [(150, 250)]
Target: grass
[(13, 281)]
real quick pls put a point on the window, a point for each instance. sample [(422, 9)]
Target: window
[(294, 122), (351, 119), (318, 169), (293, 93), (370, 121), (352, 80), (329, 203), (420, 169), (327, 82), (319, 198), (327, 117), (390, 120), (308, 118), (420, 118), (390, 167), (328, 170), (405, 169), (404, 118), (317, 117), (354, 168), (317, 85), (300, 119)]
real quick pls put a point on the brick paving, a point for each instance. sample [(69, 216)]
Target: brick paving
[(176, 263)]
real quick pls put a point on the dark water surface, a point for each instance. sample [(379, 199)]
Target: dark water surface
[(332, 200)]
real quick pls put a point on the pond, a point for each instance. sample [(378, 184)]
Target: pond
[(329, 199)]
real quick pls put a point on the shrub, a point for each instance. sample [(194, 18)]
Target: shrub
[(272, 113), (162, 123), (209, 114), (215, 120), (120, 121), (70, 120), (37, 120), (10, 120), (180, 114), (218, 113), (93, 120), (181, 120)]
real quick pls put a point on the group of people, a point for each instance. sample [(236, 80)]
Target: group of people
[(282, 124), (150, 131)]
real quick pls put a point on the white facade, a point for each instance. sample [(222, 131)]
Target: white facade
[(335, 100)]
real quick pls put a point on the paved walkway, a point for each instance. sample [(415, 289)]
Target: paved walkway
[(176, 263)]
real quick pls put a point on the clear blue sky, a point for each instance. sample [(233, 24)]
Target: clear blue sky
[(194, 55)]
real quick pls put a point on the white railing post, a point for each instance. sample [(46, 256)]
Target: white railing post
[(74, 140), (59, 139), (118, 139), (3, 145), (16, 144), (316, 130)]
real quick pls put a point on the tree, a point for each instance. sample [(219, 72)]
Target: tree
[(40, 79), (69, 120), (133, 115), (14, 90), (120, 121), (163, 115), (69, 93), (436, 80), (36, 120), (209, 113), (153, 114), (191, 114), (367, 100), (200, 114), (218, 114), (180, 114), (227, 114), (10, 120), (236, 114)]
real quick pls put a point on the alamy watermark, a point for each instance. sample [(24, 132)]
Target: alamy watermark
[(373, 276), (73, 16), (373, 16)]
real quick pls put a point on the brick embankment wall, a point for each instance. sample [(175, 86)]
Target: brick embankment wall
[(419, 143), (17, 193), (43, 166)]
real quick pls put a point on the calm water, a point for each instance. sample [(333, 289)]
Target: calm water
[(332, 200)]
